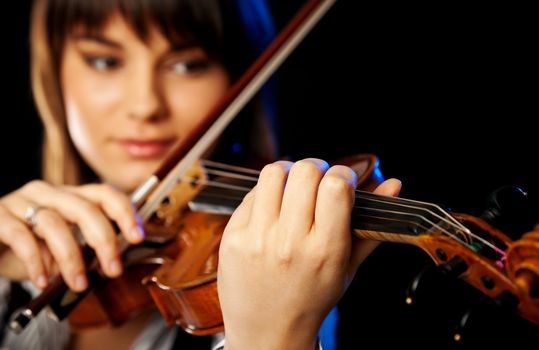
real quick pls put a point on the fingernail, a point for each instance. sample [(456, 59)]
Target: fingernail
[(137, 233), (115, 267), (41, 281), (80, 282)]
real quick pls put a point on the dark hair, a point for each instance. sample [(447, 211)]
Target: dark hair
[(214, 25)]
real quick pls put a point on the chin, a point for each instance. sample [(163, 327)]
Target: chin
[(131, 185), (127, 182), (129, 176)]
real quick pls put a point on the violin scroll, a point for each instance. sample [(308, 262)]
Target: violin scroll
[(497, 266), (523, 264), (505, 210)]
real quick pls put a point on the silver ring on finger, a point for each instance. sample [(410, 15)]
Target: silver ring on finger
[(30, 216)]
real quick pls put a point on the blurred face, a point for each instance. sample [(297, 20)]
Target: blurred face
[(129, 102)]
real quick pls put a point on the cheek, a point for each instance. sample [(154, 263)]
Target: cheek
[(83, 129), (87, 102), (191, 104)]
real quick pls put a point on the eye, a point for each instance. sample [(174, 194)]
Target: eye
[(189, 66), (102, 63)]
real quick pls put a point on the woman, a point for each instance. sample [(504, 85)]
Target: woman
[(118, 84)]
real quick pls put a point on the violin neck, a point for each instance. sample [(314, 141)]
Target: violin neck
[(373, 216), (394, 219)]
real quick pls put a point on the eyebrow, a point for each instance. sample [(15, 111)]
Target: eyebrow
[(99, 39), (185, 45), (175, 47)]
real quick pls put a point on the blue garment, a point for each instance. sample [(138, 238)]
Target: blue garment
[(328, 330)]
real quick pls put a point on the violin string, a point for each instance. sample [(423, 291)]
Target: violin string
[(231, 175), (385, 218), (211, 183), (227, 172), (382, 211), (419, 204), (416, 204), (224, 166), (452, 232), (458, 228), (359, 193), (421, 217)]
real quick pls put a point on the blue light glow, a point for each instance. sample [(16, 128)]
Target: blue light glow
[(237, 147), (328, 330)]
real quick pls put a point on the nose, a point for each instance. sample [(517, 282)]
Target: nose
[(145, 101)]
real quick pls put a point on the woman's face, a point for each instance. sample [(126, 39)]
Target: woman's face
[(129, 102)]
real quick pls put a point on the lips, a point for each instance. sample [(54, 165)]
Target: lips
[(146, 148)]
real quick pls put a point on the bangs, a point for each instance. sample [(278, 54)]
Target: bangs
[(196, 21)]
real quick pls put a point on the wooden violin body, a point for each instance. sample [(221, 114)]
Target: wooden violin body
[(114, 301)]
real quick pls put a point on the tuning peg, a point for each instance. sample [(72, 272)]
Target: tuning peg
[(437, 276), (491, 316), (470, 324), (506, 209)]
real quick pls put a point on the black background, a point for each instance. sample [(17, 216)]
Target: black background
[(445, 94)]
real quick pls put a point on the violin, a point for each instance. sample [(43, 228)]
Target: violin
[(185, 290), (181, 276), (186, 207)]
